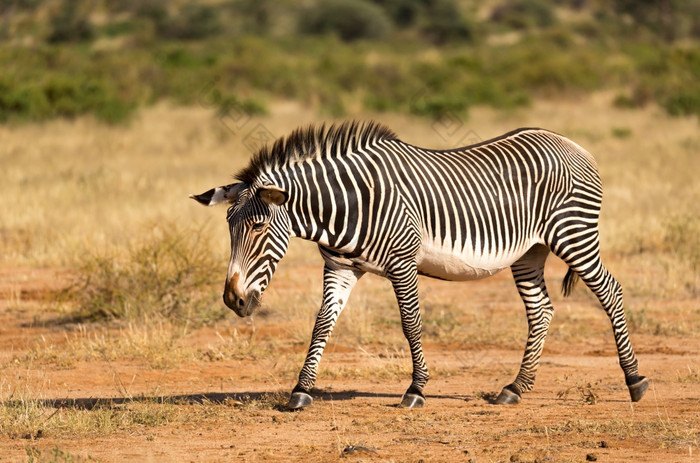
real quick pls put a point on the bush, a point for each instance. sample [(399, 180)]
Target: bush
[(439, 104), (683, 103), (403, 13), (349, 19), (195, 21), (11, 5), (151, 10), (62, 96), (168, 275), (70, 23), (444, 22), (257, 14), (524, 14)]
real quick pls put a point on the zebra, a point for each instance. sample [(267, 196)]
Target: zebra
[(376, 204)]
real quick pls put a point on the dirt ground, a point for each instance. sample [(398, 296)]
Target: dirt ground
[(231, 409)]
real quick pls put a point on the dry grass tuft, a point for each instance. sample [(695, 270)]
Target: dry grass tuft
[(55, 455), (157, 344), (666, 432), (692, 375), (588, 392), (168, 274)]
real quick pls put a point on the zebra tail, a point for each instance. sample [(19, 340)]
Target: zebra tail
[(569, 282)]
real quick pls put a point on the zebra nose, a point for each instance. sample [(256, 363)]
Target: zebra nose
[(233, 301), (234, 297)]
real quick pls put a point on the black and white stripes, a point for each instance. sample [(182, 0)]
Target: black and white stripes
[(376, 204)]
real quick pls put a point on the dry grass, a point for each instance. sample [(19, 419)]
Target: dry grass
[(55, 455), (692, 375), (157, 344), (667, 432), (168, 274)]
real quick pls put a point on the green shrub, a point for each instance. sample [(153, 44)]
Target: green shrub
[(62, 95), (117, 28), (348, 19), (24, 5), (257, 14), (71, 23), (444, 22), (628, 102), (185, 48), (227, 103), (683, 103), (154, 11), (194, 21), (403, 13), (19, 102), (621, 132), (524, 14), (439, 104), (541, 66)]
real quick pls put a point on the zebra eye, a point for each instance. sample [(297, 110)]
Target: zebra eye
[(258, 226)]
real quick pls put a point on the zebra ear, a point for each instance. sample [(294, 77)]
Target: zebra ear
[(222, 194), (272, 195)]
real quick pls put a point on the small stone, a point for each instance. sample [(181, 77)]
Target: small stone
[(591, 457), (603, 444), (515, 458)]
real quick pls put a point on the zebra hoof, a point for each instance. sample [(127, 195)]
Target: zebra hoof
[(638, 389), (412, 401), (507, 397), (298, 401)]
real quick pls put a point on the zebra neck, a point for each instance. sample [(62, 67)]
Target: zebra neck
[(318, 211), (305, 220)]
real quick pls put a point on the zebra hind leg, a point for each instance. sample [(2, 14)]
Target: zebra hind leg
[(591, 270), (528, 273)]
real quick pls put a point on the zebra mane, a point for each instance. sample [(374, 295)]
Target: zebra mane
[(313, 141)]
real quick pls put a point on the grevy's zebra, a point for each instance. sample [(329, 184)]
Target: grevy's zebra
[(376, 204)]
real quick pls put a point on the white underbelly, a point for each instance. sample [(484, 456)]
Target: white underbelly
[(443, 262)]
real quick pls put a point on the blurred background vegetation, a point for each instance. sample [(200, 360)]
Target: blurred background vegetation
[(65, 58)]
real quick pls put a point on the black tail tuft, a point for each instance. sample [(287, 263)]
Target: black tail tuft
[(569, 282)]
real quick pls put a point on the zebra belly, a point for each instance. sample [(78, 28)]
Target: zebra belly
[(447, 264)]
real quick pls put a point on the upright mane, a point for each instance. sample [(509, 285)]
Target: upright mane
[(314, 141)]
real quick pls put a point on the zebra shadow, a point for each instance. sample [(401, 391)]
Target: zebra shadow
[(275, 400)]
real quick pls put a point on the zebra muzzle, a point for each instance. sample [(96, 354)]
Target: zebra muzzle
[(243, 305)]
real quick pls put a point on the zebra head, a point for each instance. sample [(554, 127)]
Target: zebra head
[(259, 227)]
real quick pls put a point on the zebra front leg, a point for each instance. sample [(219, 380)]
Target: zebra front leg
[(337, 285), (405, 283), (528, 273)]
